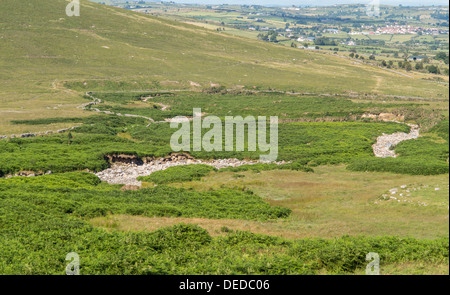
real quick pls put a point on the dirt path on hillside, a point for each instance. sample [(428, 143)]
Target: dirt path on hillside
[(96, 101)]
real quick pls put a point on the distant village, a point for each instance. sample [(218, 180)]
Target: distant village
[(400, 30)]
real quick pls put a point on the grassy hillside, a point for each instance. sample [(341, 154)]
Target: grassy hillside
[(41, 48), (110, 43)]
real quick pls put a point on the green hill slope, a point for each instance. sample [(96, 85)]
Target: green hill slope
[(40, 45)]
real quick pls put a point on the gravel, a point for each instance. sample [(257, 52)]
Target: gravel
[(383, 147), (126, 174)]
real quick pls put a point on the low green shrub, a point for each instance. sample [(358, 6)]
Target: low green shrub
[(442, 129), (402, 165), (181, 173), (83, 195), (297, 166)]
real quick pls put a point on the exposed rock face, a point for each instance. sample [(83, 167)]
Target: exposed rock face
[(124, 159), (126, 173), (387, 117), (382, 148)]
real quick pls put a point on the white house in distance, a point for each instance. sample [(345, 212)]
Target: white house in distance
[(308, 47), (331, 31)]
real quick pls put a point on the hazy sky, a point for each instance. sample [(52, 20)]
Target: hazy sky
[(313, 2)]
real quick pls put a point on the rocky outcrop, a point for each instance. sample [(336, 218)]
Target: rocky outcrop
[(386, 117), (383, 148), (124, 159), (135, 160), (175, 157)]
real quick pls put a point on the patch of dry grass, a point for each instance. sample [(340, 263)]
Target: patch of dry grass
[(334, 202), (36, 101)]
